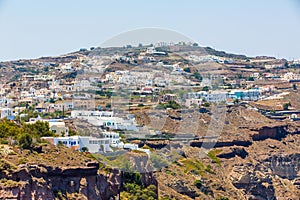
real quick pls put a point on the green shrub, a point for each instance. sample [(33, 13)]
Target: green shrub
[(136, 192), (5, 165), (187, 69), (197, 76), (25, 141), (171, 104), (213, 155), (198, 183), (205, 88), (157, 161), (209, 169), (206, 104), (9, 183), (3, 141), (22, 161)]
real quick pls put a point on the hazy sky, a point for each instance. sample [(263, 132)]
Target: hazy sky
[(34, 28)]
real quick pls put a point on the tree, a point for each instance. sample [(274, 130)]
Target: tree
[(25, 141), (206, 104), (250, 78), (197, 76), (72, 132), (294, 87), (205, 88), (51, 100), (187, 69), (84, 149), (198, 183), (240, 76), (286, 65), (38, 129), (9, 129), (171, 104), (236, 101), (286, 106)]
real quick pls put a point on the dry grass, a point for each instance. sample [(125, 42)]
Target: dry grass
[(51, 155)]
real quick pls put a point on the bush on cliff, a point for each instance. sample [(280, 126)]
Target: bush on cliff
[(136, 192), (9, 129), (25, 141)]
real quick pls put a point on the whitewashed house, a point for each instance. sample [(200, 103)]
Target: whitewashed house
[(5, 112), (93, 145)]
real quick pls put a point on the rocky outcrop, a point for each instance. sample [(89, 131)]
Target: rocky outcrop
[(258, 180), (276, 132), (286, 167), (232, 152), (257, 185), (157, 144), (45, 182), (219, 144), (182, 188)]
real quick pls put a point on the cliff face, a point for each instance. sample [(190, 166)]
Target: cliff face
[(254, 158), (261, 181), (59, 172), (45, 182), (274, 132), (286, 167)]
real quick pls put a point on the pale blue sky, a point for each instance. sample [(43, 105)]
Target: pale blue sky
[(34, 28)]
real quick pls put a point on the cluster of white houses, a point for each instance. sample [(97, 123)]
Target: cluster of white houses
[(106, 119), (291, 77), (99, 144), (95, 145), (223, 96)]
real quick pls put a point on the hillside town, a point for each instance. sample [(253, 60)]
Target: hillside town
[(85, 85), (51, 86), (160, 104)]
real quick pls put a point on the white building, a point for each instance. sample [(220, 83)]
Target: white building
[(290, 76), (191, 102), (114, 123), (255, 75), (45, 77), (63, 106), (222, 96), (93, 145), (105, 118), (67, 68), (130, 146), (5, 112), (114, 138), (214, 96), (84, 114)]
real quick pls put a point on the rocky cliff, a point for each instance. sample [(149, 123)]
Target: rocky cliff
[(254, 158), (75, 177), (45, 182)]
